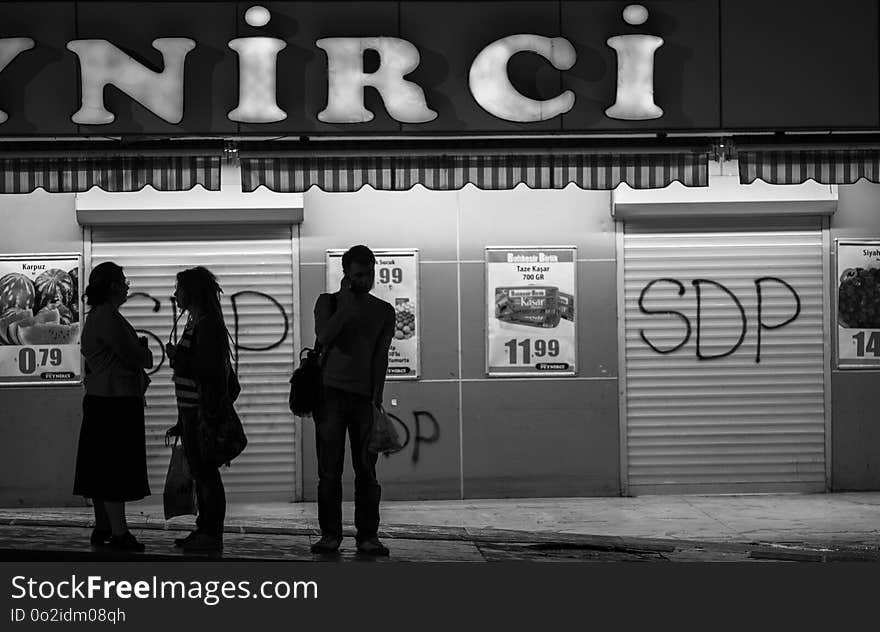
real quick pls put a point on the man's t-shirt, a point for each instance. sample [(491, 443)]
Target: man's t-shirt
[(360, 345)]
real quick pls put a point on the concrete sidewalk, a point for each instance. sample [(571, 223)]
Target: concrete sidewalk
[(836, 521)]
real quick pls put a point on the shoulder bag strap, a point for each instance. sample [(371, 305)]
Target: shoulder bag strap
[(318, 346), (234, 350)]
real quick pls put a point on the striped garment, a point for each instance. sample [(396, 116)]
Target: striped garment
[(185, 388)]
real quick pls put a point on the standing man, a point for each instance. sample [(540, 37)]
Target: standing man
[(355, 330)]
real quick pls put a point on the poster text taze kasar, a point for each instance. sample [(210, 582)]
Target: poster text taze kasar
[(102, 63)]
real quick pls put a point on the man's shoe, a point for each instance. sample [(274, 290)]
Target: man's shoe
[(99, 537), (327, 544), (204, 542), (372, 546), (125, 542), (182, 541)]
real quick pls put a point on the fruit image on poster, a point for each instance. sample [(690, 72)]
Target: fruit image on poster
[(858, 303), (40, 318), (397, 282), (531, 312)]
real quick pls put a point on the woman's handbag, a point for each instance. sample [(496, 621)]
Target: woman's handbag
[(383, 436), (179, 495), (221, 433)]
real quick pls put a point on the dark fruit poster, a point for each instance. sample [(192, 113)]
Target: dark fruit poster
[(40, 315), (858, 303), (530, 327), (397, 282)]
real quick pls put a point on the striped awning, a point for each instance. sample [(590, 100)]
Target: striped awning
[(75, 174), (836, 166), (296, 174)]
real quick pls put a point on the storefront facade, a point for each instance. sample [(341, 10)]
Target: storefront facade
[(692, 344), (724, 339)]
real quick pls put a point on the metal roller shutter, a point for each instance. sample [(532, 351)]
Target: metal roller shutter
[(255, 267), (731, 423)]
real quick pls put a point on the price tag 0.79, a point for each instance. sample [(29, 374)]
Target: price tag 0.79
[(30, 359)]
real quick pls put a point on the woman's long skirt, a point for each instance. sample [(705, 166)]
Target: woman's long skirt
[(111, 461)]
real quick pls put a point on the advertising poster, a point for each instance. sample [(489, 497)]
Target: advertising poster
[(858, 303), (531, 311), (40, 315), (397, 282)]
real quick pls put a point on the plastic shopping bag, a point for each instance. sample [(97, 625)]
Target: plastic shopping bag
[(179, 496), (383, 436)]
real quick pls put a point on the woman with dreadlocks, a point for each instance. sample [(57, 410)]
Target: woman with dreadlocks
[(203, 376)]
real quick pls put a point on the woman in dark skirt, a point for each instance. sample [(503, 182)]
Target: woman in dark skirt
[(111, 461)]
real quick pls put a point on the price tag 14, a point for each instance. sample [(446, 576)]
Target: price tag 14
[(867, 343)]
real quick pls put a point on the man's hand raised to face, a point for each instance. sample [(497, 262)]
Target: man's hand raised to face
[(347, 296)]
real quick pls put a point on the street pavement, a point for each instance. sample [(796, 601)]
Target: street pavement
[(759, 527)]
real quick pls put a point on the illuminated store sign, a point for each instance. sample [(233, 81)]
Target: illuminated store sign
[(102, 63), (404, 100), (635, 70), (258, 58), (10, 47), (491, 86)]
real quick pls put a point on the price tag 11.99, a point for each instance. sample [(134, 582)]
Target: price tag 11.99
[(525, 351)]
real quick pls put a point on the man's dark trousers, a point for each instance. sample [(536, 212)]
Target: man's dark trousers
[(341, 411)]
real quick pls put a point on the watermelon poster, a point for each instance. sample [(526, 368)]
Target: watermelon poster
[(40, 315)]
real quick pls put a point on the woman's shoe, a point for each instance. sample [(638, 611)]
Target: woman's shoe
[(183, 541), (99, 537), (125, 542)]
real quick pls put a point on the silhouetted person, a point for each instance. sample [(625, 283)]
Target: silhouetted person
[(355, 329), (202, 364), (111, 460)]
